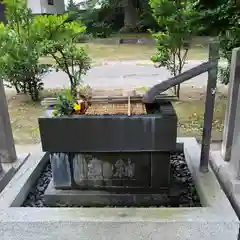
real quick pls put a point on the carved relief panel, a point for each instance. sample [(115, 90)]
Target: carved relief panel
[(112, 169)]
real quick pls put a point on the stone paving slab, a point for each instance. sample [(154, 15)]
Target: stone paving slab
[(224, 172), (100, 198)]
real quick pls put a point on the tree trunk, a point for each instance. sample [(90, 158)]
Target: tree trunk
[(16, 87), (178, 90), (238, 3), (131, 15)]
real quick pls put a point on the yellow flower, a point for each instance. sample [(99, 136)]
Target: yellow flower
[(77, 107)]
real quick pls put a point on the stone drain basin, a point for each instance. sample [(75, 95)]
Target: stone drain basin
[(25, 215), (181, 192)]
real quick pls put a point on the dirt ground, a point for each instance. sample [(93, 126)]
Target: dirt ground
[(190, 110)]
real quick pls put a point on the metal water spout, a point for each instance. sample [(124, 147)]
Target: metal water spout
[(151, 94)]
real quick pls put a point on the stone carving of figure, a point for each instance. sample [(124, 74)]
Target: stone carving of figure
[(107, 173), (129, 169), (61, 170), (80, 169), (107, 170), (120, 168), (95, 172)]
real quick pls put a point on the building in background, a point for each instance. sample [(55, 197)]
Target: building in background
[(2, 16), (47, 6), (84, 4), (39, 7)]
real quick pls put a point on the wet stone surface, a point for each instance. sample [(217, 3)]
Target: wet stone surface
[(182, 193)]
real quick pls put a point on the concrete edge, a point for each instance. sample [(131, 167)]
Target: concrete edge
[(5, 178), (207, 185), (223, 172), (20, 184), (10, 169), (210, 192), (16, 191)]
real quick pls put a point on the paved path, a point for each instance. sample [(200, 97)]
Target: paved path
[(125, 75)]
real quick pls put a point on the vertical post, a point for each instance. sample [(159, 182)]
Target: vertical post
[(230, 115), (235, 112), (1, 169), (234, 159), (209, 106), (7, 147)]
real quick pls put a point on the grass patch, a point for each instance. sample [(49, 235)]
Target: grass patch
[(134, 51), (24, 117), (107, 52), (119, 52), (51, 93), (191, 118), (132, 35)]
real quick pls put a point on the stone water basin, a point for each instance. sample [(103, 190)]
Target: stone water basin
[(155, 130), (111, 151)]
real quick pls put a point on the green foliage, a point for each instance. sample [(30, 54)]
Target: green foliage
[(214, 16), (99, 22), (224, 17), (229, 39), (72, 6), (110, 18), (26, 38), (146, 19), (224, 73), (100, 29), (65, 104), (96, 20), (60, 42), (229, 36), (178, 21), (21, 50)]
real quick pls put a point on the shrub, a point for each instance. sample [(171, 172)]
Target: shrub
[(229, 37), (60, 38), (178, 21), (224, 16), (27, 38), (99, 23), (21, 50)]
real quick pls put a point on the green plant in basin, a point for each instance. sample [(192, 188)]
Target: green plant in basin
[(67, 105)]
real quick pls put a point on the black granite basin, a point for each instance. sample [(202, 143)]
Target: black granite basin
[(111, 152)]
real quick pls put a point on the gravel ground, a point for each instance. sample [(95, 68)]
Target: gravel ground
[(183, 192)]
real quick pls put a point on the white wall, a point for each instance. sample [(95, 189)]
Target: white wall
[(41, 6), (35, 6)]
